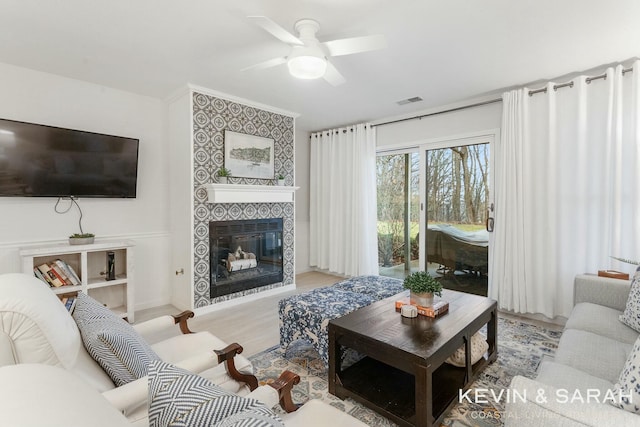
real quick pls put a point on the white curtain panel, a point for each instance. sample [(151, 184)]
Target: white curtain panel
[(567, 189), (343, 212)]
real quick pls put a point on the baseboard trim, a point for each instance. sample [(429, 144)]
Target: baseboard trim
[(247, 298)]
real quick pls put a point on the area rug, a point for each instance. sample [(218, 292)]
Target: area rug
[(521, 348)]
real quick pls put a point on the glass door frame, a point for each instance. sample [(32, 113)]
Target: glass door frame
[(411, 149), (483, 137)]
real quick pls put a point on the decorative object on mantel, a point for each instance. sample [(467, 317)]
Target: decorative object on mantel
[(223, 175), (280, 180), (248, 155), (422, 287)]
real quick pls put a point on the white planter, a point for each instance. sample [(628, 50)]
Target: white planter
[(281, 182), (222, 180), (81, 240), (422, 299)]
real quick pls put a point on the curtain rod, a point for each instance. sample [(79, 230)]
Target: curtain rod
[(491, 101), (450, 110), (570, 84), (336, 131)]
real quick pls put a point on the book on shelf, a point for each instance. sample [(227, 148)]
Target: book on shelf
[(57, 273), (60, 274), (38, 274), (69, 303), (438, 308), (51, 278), (69, 271)]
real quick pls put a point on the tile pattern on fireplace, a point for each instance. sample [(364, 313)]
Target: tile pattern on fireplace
[(211, 116)]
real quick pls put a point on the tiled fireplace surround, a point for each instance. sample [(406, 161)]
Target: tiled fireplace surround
[(211, 117)]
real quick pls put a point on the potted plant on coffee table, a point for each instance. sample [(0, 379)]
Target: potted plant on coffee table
[(422, 287), (223, 175)]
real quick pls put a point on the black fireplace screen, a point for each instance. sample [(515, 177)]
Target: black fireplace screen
[(244, 254)]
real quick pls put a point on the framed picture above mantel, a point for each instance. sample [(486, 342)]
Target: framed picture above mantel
[(248, 156)]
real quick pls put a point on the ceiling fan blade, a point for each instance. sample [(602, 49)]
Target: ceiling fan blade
[(275, 30), (355, 45), (266, 64), (333, 76)]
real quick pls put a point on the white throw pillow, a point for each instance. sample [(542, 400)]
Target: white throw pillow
[(631, 315), (479, 347), (627, 389)]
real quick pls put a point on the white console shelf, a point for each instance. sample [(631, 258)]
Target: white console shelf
[(242, 193), (90, 263)]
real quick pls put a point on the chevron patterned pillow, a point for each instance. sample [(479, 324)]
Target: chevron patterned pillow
[(112, 342), (178, 398)]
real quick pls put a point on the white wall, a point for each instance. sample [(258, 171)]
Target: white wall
[(38, 97), (302, 201), (471, 120)]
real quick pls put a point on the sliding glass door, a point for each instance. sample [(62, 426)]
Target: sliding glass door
[(433, 205), (398, 177), (457, 208)]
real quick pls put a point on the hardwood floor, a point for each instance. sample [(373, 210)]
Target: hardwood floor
[(253, 324)]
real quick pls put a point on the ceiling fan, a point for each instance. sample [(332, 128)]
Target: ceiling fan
[(308, 58)]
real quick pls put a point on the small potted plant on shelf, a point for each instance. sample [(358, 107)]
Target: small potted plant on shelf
[(81, 238), (223, 175), (422, 287), (280, 179)]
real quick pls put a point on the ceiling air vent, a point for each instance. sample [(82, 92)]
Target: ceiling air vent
[(409, 100)]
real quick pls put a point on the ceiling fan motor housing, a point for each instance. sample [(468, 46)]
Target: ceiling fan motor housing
[(308, 61)]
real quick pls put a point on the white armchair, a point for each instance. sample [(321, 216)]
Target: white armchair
[(47, 377), (35, 395), (36, 328)]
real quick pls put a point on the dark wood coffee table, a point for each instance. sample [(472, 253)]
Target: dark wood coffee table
[(403, 375)]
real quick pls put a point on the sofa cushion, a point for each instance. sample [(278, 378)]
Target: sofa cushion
[(180, 398), (566, 377), (600, 320), (316, 413), (631, 314), (111, 341), (34, 395), (627, 388), (594, 354)]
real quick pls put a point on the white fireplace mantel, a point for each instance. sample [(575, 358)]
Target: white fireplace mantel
[(242, 193)]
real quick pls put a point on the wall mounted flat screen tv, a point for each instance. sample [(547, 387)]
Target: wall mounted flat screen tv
[(47, 161)]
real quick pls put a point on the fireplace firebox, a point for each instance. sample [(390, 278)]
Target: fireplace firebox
[(244, 254)]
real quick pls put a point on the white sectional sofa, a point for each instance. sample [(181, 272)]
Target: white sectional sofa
[(571, 389)]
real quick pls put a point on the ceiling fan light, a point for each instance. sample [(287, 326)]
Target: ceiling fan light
[(307, 67)]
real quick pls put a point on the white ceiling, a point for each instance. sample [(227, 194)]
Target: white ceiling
[(441, 50)]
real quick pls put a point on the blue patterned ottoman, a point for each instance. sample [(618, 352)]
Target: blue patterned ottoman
[(306, 316)]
